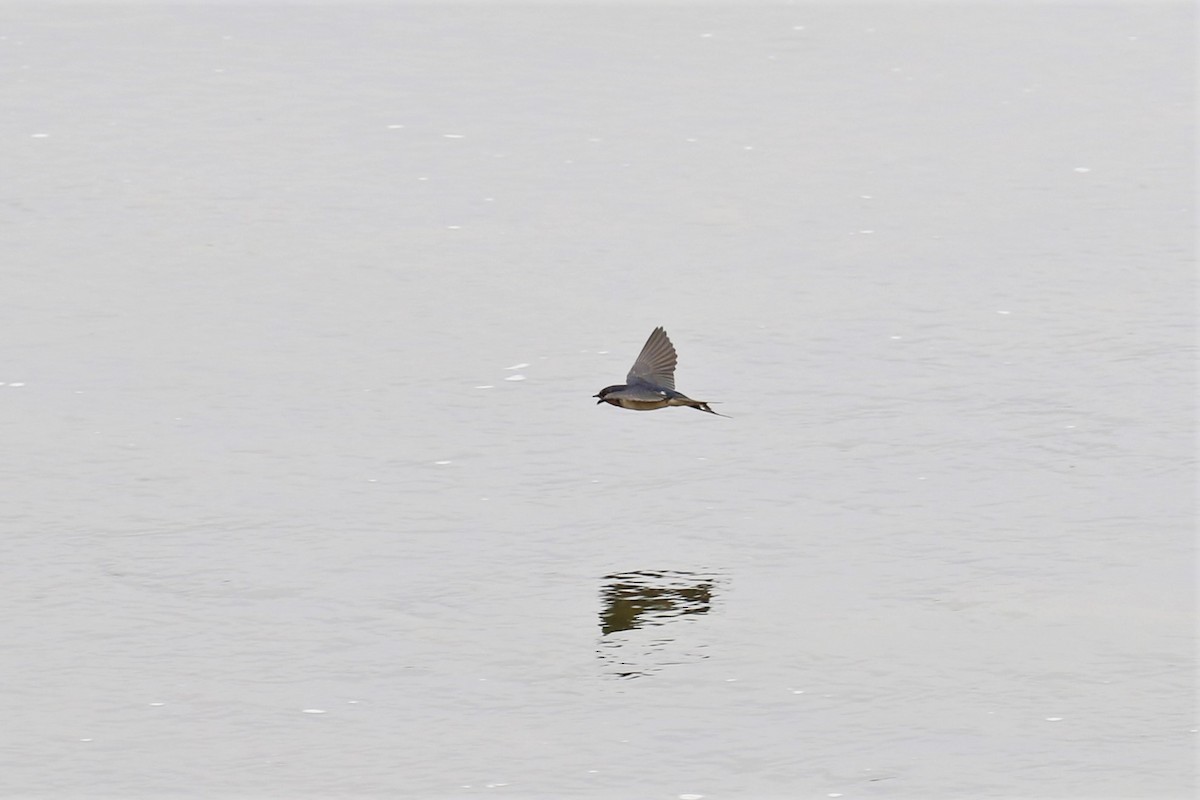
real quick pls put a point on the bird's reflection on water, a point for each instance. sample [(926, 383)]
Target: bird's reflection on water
[(633, 602)]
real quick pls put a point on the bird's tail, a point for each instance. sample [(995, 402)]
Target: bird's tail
[(699, 405)]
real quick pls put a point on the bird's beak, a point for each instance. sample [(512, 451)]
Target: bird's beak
[(598, 402)]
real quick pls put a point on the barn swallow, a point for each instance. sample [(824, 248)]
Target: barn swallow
[(650, 384)]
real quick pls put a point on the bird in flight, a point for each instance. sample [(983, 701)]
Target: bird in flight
[(650, 384)]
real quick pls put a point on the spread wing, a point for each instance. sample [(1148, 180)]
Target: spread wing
[(656, 363)]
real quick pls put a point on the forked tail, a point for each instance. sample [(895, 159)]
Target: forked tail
[(702, 406)]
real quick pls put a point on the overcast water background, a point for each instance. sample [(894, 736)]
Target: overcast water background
[(305, 493)]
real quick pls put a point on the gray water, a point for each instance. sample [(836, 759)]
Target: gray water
[(305, 493)]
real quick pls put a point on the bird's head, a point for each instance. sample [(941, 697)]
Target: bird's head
[(605, 392)]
